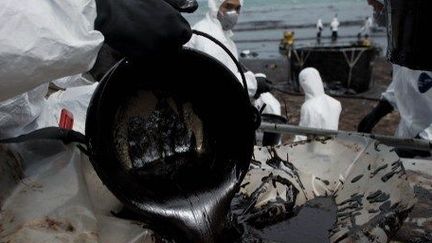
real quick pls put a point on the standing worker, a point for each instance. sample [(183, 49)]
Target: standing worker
[(334, 27), (319, 110), (409, 50), (320, 28), (219, 22)]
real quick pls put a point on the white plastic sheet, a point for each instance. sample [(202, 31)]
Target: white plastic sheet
[(413, 103), (19, 114), (73, 81), (43, 41), (75, 100), (60, 199), (367, 181)]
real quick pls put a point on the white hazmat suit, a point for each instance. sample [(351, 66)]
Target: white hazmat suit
[(334, 25), (319, 110), (212, 26), (410, 93), (319, 25), (39, 44)]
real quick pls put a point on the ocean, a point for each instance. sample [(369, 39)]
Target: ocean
[(262, 22)]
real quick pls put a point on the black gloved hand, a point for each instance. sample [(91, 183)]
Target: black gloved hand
[(263, 86), (142, 28), (370, 120)]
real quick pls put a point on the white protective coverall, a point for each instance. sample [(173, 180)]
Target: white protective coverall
[(334, 25), (319, 25), (51, 193), (41, 43), (319, 110), (410, 93), (212, 26)]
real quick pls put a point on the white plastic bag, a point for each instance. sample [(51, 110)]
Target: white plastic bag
[(60, 199)]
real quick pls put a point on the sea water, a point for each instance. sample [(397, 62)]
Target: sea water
[(262, 22)]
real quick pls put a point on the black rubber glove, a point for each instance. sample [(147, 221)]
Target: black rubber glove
[(142, 28), (370, 120), (263, 86)]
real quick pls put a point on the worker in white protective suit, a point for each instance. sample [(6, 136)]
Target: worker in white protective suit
[(410, 92), (319, 29), (334, 27), (319, 110), (29, 64), (219, 22)]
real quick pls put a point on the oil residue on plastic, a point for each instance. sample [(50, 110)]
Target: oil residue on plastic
[(311, 224)]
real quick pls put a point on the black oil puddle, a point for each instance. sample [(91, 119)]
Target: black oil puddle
[(311, 224)]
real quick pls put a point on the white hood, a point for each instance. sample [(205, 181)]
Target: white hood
[(214, 6), (319, 110), (211, 25), (311, 82)]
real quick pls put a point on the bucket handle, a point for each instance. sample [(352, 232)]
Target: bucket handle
[(217, 42)]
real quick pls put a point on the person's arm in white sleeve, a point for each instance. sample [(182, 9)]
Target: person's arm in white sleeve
[(35, 49)]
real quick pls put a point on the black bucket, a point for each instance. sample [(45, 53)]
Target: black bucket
[(162, 145), (184, 190), (270, 138)]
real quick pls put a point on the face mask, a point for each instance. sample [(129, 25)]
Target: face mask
[(228, 20)]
